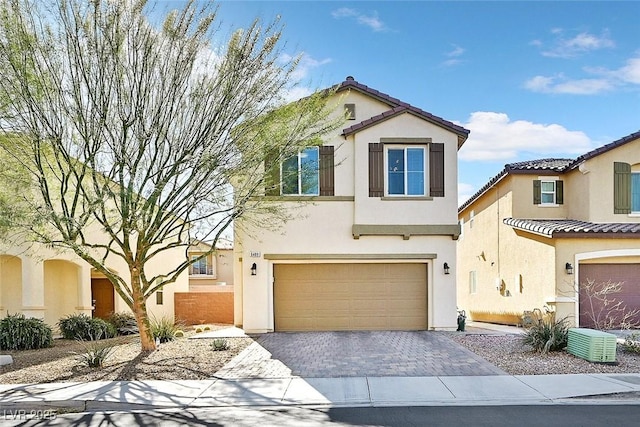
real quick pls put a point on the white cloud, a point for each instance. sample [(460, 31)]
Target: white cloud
[(559, 84), (305, 67), (453, 56), (581, 43), (495, 137), (601, 80), (465, 191), (372, 21)]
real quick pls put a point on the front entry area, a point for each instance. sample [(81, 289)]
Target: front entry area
[(102, 296), (347, 297)]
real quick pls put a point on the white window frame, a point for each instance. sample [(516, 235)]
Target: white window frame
[(473, 282), (209, 266), (425, 171), (544, 179), (317, 172)]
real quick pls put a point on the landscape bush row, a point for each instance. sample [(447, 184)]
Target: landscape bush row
[(18, 332)]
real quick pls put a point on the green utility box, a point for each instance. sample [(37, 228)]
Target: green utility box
[(592, 345)]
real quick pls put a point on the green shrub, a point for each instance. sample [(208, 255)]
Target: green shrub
[(125, 323), (164, 329), (632, 343), (94, 354), (82, 327), (198, 330), (220, 344), (206, 328), (20, 333), (179, 334), (547, 335)]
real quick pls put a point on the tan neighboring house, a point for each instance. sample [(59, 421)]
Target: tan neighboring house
[(46, 284), (540, 231), (210, 295), (375, 227)]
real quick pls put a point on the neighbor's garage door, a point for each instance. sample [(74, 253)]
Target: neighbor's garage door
[(334, 297), (626, 274)]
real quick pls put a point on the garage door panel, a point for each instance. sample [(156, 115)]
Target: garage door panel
[(628, 275), (350, 297)]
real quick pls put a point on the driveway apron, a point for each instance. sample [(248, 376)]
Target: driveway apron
[(356, 354)]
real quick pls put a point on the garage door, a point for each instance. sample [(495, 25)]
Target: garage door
[(594, 307), (335, 297)]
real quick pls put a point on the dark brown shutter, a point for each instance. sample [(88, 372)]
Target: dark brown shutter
[(376, 170), (621, 188), (326, 171), (436, 170), (537, 191), (272, 174), (559, 192)]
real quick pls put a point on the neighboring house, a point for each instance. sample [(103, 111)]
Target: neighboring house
[(47, 284), (214, 273), (375, 226), (541, 231), (210, 296)]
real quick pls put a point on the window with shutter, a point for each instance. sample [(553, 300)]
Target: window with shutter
[(621, 188), (550, 192)]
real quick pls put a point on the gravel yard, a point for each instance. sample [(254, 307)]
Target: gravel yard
[(194, 359)]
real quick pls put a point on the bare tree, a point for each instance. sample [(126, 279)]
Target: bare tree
[(603, 309), (132, 129)]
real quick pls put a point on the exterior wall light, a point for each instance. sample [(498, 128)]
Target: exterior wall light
[(254, 269), (569, 268), (446, 268)]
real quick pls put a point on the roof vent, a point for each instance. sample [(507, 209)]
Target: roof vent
[(350, 78)]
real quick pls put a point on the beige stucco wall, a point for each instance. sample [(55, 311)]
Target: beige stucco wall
[(325, 228), (47, 284), (500, 256), (598, 176)]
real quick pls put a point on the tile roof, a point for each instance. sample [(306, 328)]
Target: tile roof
[(397, 107), (547, 165), (575, 228), (555, 165), (605, 148)]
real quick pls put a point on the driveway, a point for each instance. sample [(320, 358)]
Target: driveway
[(356, 354)]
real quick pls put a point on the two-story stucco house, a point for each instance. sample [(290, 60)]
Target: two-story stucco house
[(375, 229), (542, 232)]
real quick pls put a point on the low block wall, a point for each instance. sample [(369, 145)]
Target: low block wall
[(195, 308)]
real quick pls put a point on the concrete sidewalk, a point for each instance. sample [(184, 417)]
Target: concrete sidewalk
[(346, 391)]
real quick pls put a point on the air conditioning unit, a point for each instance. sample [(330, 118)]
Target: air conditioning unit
[(592, 345)]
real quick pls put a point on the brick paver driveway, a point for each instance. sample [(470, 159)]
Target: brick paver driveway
[(356, 354)]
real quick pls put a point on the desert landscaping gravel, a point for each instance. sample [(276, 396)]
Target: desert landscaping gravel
[(194, 359)]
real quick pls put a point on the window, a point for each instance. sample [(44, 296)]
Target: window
[(159, 297), (548, 192), (635, 192), (473, 282), (300, 173), (201, 266), (406, 171)]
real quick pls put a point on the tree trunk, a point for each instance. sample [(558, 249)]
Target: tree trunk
[(140, 313)]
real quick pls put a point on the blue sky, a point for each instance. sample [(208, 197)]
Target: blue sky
[(529, 79)]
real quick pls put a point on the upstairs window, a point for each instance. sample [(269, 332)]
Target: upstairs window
[(398, 170), (201, 266), (548, 192), (406, 171), (300, 173)]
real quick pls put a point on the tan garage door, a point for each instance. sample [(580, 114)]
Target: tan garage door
[(338, 297), (593, 307)]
